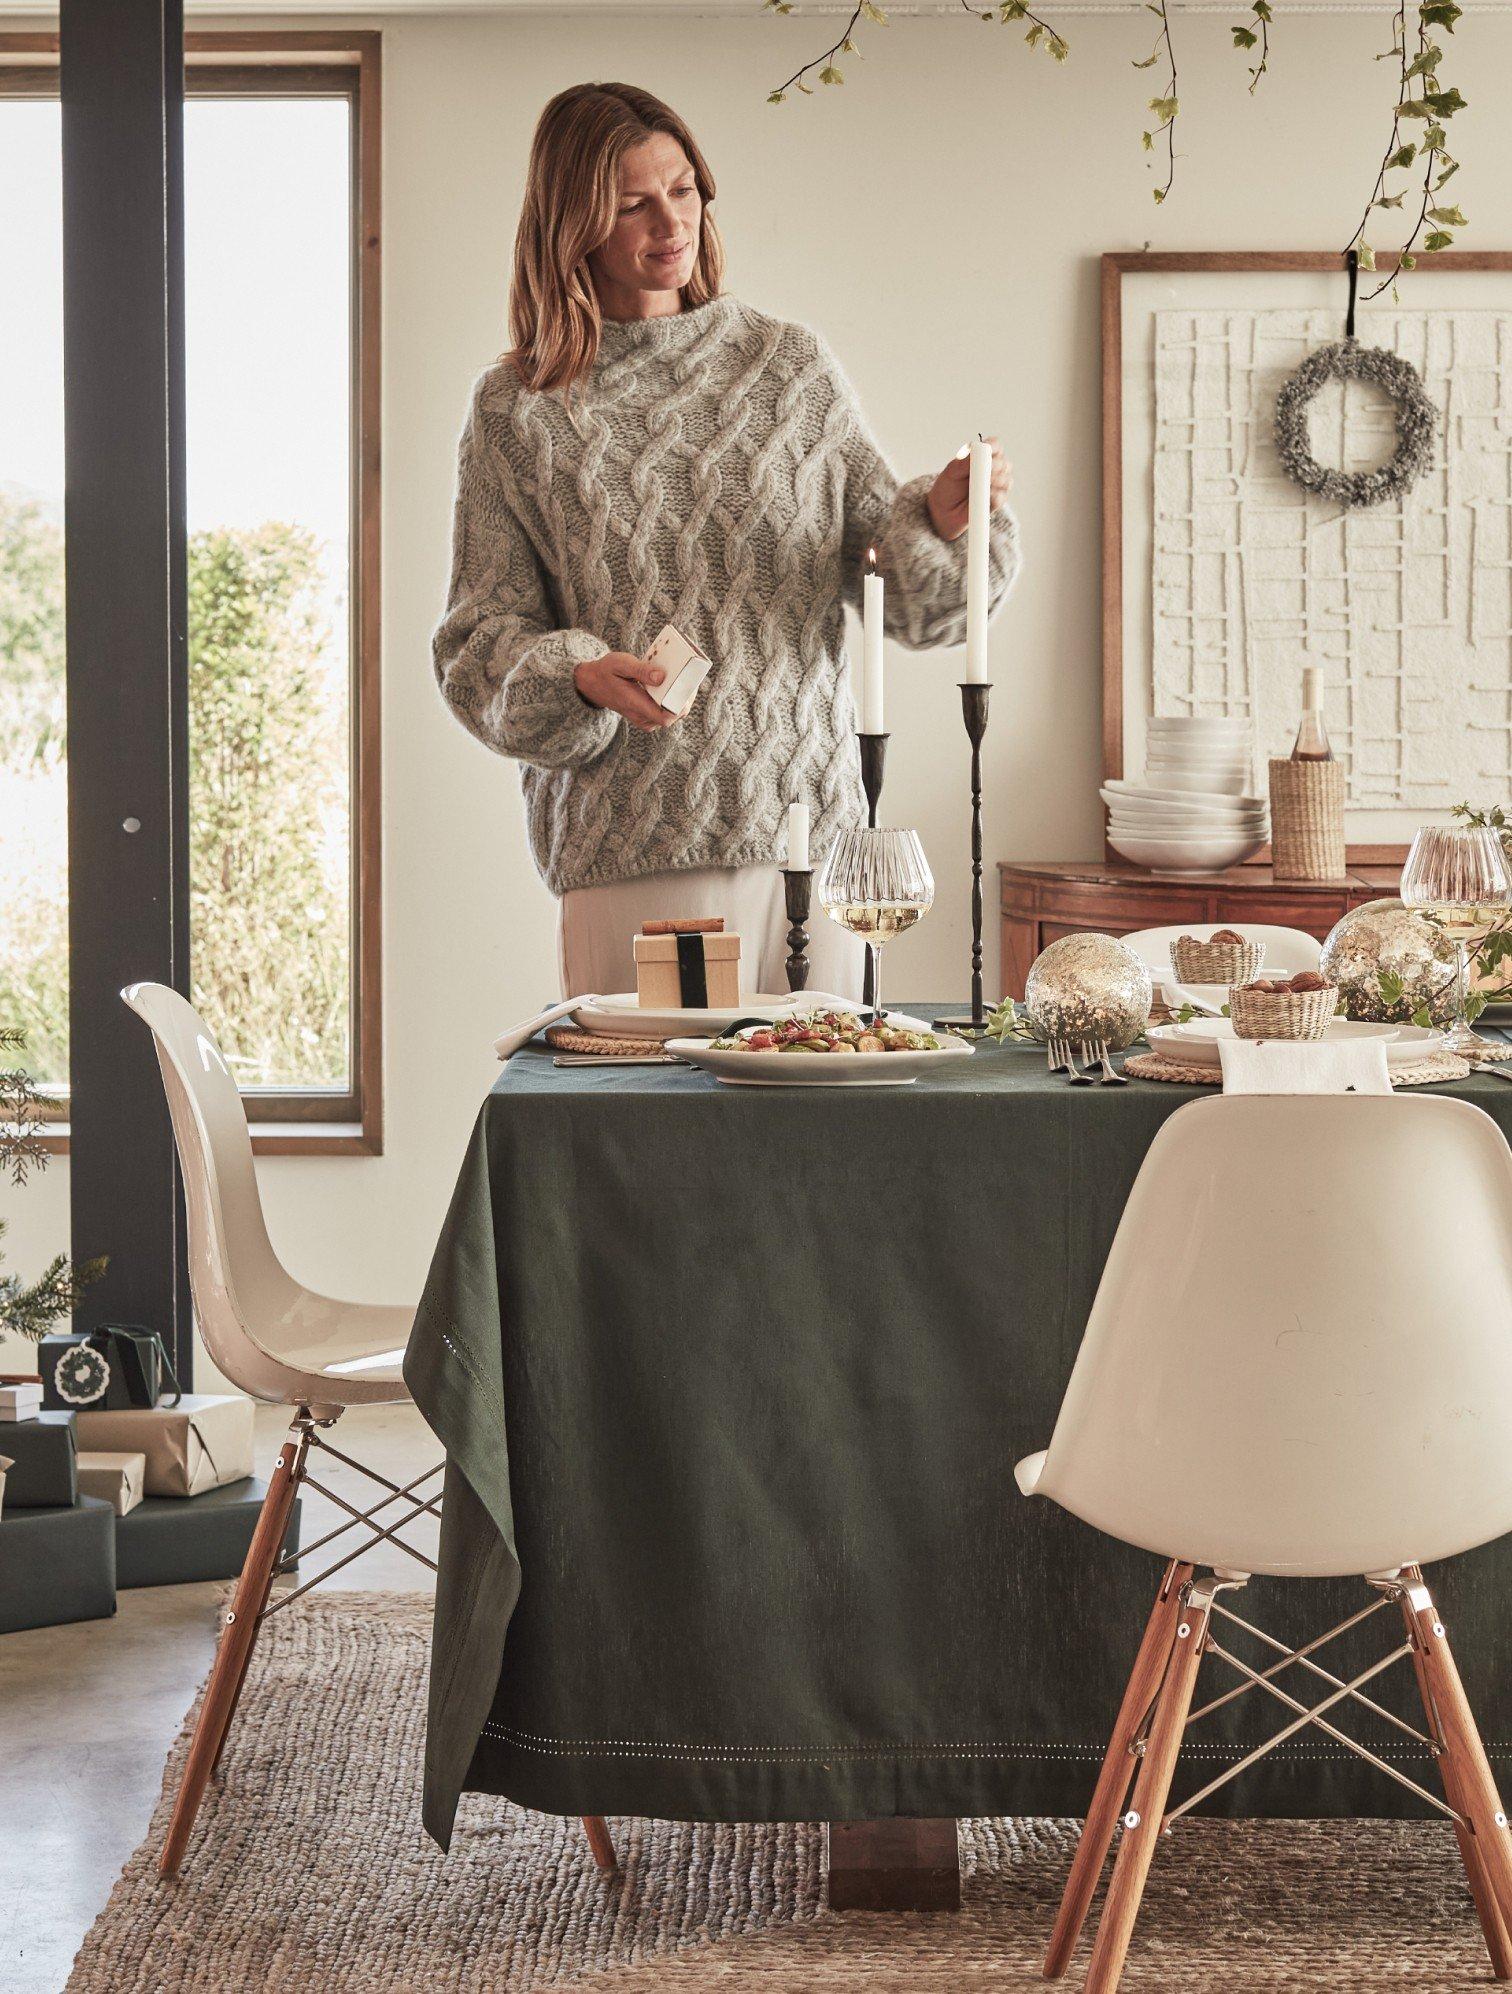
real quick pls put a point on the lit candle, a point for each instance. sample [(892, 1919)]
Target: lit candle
[(980, 505), (872, 721), (797, 836)]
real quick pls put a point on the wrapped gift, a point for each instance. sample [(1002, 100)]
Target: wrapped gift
[(164, 1542), (686, 966), (200, 1443), (111, 1368), (41, 1450), (113, 1478), (57, 1565)]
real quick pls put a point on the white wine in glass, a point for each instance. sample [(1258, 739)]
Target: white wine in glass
[(1459, 877), (877, 884)]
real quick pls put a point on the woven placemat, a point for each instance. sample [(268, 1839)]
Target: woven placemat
[(565, 1039), (1490, 1051), (1150, 1066)]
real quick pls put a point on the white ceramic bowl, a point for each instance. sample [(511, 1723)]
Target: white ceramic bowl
[(1196, 727), (1187, 827), (1167, 854), (1184, 803), (1200, 781), (1121, 789), (1184, 758)]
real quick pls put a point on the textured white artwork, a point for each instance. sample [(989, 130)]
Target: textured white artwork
[(1408, 607)]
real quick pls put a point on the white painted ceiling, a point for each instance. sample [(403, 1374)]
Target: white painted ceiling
[(734, 8)]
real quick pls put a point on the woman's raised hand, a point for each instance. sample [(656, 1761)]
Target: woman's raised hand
[(618, 681), (949, 493)]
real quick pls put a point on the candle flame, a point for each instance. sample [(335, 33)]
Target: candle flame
[(871, 560)]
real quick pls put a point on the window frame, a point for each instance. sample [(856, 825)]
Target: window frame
[(312, 62)]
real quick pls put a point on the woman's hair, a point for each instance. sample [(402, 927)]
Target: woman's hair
[(571, 200)]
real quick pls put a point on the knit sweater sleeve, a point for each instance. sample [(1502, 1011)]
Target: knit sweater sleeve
[(504, 665), (926, 576)]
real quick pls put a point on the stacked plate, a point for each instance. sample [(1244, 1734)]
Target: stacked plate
[(1192, 813)]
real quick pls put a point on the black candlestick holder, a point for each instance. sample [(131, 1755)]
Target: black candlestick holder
[(873, 766), (974, 712), (797, 888)]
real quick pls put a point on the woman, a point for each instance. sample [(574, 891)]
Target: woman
[(653, 451)]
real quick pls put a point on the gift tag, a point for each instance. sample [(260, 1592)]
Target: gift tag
[(686, 669)]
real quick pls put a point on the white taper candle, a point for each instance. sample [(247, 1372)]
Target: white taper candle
[(873, 710), (979, 497), (797, 836)]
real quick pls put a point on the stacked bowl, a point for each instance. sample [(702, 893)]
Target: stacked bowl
[(1193, 811)]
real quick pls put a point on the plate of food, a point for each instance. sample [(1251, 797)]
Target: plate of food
[(622, 1017), (822, 1049)]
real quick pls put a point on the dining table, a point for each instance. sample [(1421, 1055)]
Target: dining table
[(732, 1381)]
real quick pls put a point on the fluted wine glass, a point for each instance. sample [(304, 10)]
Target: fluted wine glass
[(1458, 876), (877, 884)]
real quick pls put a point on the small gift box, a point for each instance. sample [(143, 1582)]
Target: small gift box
[(112, 1368), (201, 1443), (114, 1478), (43, 1455), (686, 966)]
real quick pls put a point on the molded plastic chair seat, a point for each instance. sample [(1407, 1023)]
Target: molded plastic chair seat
[(1029, 1470)]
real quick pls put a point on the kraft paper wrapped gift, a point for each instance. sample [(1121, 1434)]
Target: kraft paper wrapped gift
[(694, 972), (201, 1443), (114, 1478)]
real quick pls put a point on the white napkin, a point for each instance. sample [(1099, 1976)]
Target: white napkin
[(509, 1043), (1301, 1066)]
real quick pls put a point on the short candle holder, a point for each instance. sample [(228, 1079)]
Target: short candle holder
[(797, 889), (974, 712), (873, 765)]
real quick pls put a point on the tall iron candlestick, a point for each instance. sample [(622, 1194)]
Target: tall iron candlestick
[(873, 763), (974, 712), (797, 888)]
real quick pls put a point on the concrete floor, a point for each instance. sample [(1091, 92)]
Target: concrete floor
[(88, 1712)]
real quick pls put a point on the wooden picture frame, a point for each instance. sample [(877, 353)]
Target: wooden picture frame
[(1116, 266)]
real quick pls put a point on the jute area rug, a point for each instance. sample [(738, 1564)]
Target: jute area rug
[(309, 1870)]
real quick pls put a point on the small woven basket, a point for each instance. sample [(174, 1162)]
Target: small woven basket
[(1216, 962), (1307, 820), (1282, 1014)]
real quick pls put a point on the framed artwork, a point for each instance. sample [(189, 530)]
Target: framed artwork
[(1222, 577)]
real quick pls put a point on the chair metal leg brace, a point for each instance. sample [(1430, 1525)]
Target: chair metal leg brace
[(1312, 1715), (432, 1506), (378, 1537), (1301, 1656)]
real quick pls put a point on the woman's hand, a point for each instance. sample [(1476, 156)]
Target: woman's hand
[(618, 681), (949, 493)]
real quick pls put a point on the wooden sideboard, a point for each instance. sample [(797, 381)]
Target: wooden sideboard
[(1042, 901)]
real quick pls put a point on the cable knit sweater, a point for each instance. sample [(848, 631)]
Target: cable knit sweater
[(713, 470)]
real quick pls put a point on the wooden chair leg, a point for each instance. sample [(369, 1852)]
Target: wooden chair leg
[(234, 1652), (1142, 1823), (601, 1843), (1492, 1926), (1117, 1770), (1464, 1764)]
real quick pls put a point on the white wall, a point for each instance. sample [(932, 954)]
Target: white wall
[(940, 217)]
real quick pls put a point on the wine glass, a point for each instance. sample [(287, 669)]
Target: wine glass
[(877, 884), (1458, 875)]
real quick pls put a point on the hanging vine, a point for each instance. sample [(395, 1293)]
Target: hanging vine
[(1422, 97)]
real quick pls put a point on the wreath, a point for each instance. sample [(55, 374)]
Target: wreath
[(1417, 419)]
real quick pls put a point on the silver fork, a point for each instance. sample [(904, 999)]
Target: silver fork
[(1078, 1078), (1111, 1077), (1056, 1054)]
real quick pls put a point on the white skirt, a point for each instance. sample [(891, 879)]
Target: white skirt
[(596, 925)]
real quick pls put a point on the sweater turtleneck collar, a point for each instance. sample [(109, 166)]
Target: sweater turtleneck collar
[(672, 332)]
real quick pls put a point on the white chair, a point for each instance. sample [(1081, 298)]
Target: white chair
[(1299, 1363), (281, 1343)]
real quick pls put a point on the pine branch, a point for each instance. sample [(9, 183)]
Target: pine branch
[(31, 1311)]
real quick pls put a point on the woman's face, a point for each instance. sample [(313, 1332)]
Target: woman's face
[(655, 235)]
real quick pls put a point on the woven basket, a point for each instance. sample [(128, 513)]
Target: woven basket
[(1216, 962), (1282, 1014), (1307, 820)]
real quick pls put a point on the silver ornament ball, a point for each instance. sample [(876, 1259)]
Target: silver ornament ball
[(1089, 987), (1383, 936)]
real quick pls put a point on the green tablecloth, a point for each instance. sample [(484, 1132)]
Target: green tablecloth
[(732, 1382)]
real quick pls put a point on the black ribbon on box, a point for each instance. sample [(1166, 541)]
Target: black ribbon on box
[(126, 1367), (692, 972)]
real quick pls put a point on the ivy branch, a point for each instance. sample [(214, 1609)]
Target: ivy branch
[(1422, 98), (1167, 108), (825, 64), (1246, 37), (1040, 31)]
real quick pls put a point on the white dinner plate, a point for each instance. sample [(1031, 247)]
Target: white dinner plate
[(1196, 1043), (622, 1017), (817, 1069), (1191, 799)]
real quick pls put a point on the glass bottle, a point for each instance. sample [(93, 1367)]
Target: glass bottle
[(1311, 744)]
